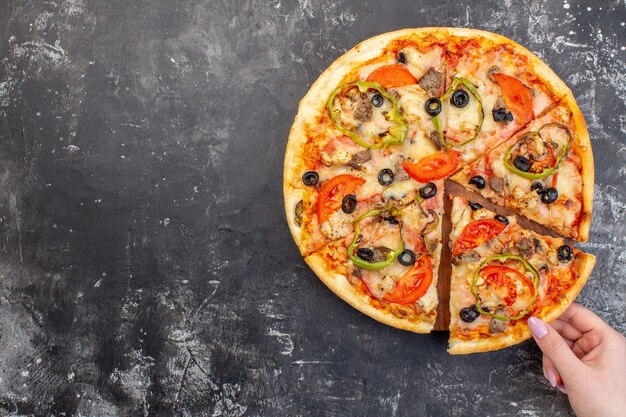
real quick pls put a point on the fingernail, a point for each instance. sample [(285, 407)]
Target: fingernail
[(561, 388), (551, 378), (537, 327)]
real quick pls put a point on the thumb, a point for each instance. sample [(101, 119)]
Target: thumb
[(554, 348)]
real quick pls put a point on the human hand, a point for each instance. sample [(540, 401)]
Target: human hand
[(586, 359)]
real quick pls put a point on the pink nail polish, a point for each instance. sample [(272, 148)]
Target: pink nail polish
[(537, 327), (551, 378)]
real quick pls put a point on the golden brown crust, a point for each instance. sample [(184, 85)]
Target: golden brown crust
[(339, 284), (587, 167), (520, 331)]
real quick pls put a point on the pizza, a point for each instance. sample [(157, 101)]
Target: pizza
[(383, 127), (502, 273)]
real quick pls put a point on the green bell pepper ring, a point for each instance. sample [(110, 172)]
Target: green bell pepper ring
[(501, 258), (391, 256), (456, 81), (546, 172), (395, 135)]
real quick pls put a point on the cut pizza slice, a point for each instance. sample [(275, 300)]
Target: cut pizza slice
[(387, 265), (502, 274), (494, 88), (545, 172)]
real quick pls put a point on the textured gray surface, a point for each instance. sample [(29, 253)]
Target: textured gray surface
[(145, 264)]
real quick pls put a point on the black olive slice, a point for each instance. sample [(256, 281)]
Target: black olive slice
[(428, 191), (475, 206), (460, 98), (477, 181), (565, 253), (401, 58), (433, 106), (385, 176), (349, 203), (407, 257), (377, 100), (501, 115), (550, 195), (365, 253), (310, 178), (501, 219), (522, 163), (537, 186), (469, 314), (391, 220)]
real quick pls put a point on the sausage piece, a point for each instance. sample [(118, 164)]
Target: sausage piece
[(432, 82)]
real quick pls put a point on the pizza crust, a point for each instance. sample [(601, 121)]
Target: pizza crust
[(586, 158), (521, 331), (340, 285)]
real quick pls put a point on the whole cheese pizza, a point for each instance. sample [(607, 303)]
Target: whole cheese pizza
[(372, 143)]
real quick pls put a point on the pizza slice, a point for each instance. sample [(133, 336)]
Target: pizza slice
[(494, 88), (545, 172), (387, 266), (502, 274)]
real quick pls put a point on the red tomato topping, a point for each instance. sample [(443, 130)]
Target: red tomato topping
[(516, 95), (476, 233), (333, 191), (394, 75), (411, 286), (433, 167), (503, 279)]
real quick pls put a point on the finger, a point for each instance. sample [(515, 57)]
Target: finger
[(590, 341), (555, 348), (582, 319), (567, 330), (578, 351), (550, 372)]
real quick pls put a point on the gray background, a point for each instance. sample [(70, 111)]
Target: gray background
[(145, 264)]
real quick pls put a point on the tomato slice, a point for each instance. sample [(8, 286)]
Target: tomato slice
[(411, 286), (476, 233), (332, 192), (394, 75), (503, 280), (516, 95), (432, 167)]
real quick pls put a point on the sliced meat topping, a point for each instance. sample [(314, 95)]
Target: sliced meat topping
[(492, 71), (497, 326), (526, 247), (401, 174), (432, 82), (469, 256), (497, 184), (434, 139), (363, 109), (360, 158), (380, 254)]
